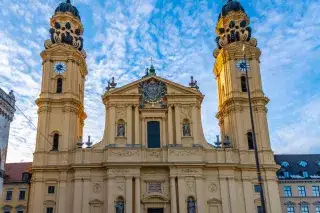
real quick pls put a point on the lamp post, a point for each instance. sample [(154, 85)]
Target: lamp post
[(244, 65)]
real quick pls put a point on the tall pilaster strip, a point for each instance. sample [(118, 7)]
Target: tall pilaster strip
[(170, 125), (137, 125), (178, 124), (137, 195), (173, 194), (129, 124), (128, 195)]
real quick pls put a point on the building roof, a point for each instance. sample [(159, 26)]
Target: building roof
[(14, 171), (68, 7), (294, 166)]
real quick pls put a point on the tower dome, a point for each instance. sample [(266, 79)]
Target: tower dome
[(231, 5), (67, 7)]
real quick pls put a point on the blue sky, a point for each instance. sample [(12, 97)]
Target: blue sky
[(121, 36)]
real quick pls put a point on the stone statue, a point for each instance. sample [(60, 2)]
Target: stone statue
[(186, 129), (119, 207), (121, 130)]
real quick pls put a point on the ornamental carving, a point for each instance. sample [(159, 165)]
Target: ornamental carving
[(121, 113), (120, 187), (212, 187), (65, 32), (96, 188), (119, 171), (190, 186), (232, 28), (125, 153), (150, 172), (154, 154), (188, 170), (153, 92), (186, 113), (183, 152)]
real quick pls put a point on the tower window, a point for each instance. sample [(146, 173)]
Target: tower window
[(55, 146), (59, 85), (244, 84), (250, 140)]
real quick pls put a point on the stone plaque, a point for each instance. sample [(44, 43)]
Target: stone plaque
[(154, 187)]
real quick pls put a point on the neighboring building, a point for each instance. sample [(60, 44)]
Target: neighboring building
[(153, 157), (7, 109), (299, 183), (16, 188)]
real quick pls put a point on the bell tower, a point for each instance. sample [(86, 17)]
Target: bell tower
[(61, 112), (234, 43)]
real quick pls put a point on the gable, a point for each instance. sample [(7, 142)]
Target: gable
[(172, 88)]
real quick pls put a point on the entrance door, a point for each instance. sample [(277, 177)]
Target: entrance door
[(155, 210)]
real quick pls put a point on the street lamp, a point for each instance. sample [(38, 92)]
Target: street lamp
[(244, 65)]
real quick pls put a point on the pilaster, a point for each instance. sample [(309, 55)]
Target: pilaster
[(178, 124), (137, 125), (129, 124), (128, 195), (170, 125), (137, 195), (173, 193)]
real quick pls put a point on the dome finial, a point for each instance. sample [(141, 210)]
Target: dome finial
[(68, 1)]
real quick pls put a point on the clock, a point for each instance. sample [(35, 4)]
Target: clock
[(243, 65), (59, 67)]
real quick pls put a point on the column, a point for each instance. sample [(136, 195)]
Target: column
[(249, 195), (235, 207), (78, 193), (178, 124), (195, 125), (62, 192), (164, 141), (182, 193), (136, 125), (137, 195), (110, 190), (112, 116), (224, 189), (86, 196), (128, 195), (173, 193), (200, 194), (129, 124), (143, 134), (170, 125)]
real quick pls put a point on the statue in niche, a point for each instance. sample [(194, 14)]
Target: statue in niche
[(186, 129), (121, 130), (120, 206), (191, 205)]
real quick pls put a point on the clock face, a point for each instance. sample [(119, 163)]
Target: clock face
[(243, 65), (59, 67)]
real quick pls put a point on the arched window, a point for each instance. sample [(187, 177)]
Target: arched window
[(120, 205), (55, 145), (250, 140), (243, 84), (59, 85), (121, 129), (191, 205), (186, 128)]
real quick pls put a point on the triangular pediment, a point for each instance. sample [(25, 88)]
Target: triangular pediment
[(172, 87), (214, 201)]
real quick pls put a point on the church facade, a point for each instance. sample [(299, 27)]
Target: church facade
[(153, 157)]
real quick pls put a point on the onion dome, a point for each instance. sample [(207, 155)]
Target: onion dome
[(231, 5), (233, 25), (67, 7), (66, 27)]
